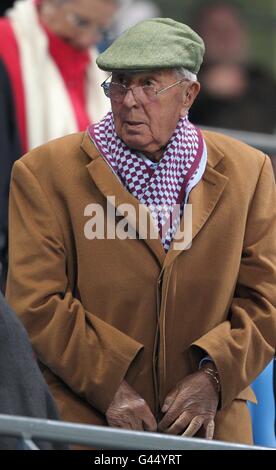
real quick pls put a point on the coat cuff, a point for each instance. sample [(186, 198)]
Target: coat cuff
[(114, 374)]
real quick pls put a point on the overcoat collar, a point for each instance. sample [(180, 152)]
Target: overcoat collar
[(204, 197)]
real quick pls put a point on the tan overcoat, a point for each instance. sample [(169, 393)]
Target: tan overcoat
[(101, 310)]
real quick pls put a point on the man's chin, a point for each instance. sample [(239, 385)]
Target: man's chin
[(136, 144)]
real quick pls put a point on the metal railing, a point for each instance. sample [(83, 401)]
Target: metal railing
[(264, 142), (29, 429)]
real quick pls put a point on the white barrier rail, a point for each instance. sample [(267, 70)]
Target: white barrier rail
[(29, 429), (264, 142)]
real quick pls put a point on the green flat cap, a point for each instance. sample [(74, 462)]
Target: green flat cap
[(157, 43)]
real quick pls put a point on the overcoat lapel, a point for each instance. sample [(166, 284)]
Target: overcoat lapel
[(203, 198), (109, 185)]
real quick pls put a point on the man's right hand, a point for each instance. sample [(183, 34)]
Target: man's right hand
[(130, 411)]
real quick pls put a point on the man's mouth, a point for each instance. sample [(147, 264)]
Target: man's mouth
[(134, 123)]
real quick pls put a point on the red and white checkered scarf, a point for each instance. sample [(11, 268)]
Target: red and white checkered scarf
[(162, 187)]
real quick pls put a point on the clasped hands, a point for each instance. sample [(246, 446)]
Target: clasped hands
[(190, 407)]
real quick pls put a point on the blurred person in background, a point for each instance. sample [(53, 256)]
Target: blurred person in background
[(9, 152), (48, 47), (130, 13), (48, 50), (235, 93)]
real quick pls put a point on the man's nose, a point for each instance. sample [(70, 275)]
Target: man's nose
[(129, 99)]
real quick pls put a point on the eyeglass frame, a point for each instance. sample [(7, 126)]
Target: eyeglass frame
[(157, 92), (82, 24)]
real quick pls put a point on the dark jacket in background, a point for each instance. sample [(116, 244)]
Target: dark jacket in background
[(9, 152), (23, 390), (4, 5), (253, 111)]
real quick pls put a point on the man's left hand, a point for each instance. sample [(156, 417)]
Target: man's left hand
[(191, 406)]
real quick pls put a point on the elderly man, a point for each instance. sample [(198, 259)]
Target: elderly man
[(141, 316), (48, 48)]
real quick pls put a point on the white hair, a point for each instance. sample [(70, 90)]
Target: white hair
[(184, 73)]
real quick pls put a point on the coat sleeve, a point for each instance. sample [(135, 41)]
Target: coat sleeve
[(243, 345), (89, 355)]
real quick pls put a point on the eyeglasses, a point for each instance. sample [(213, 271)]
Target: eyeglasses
[(117, 91), (83, 24)]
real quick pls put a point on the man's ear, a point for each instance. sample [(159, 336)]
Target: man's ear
[(190, 95)]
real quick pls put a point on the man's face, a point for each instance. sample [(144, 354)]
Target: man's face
[(148, 125), (224, 34), (79, 22)]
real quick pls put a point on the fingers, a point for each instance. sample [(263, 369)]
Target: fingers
[(129, 410), (209, 427), (124, 425), (166, 421), (144, 422), (136, 424), (187, 423), (128, 421), (149, 420), (119, 424), (180, 424), (188, 426), (170, 409), (171, 415), (194, 426), (169, 400)]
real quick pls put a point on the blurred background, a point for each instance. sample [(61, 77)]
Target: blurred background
[(260, 18)]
